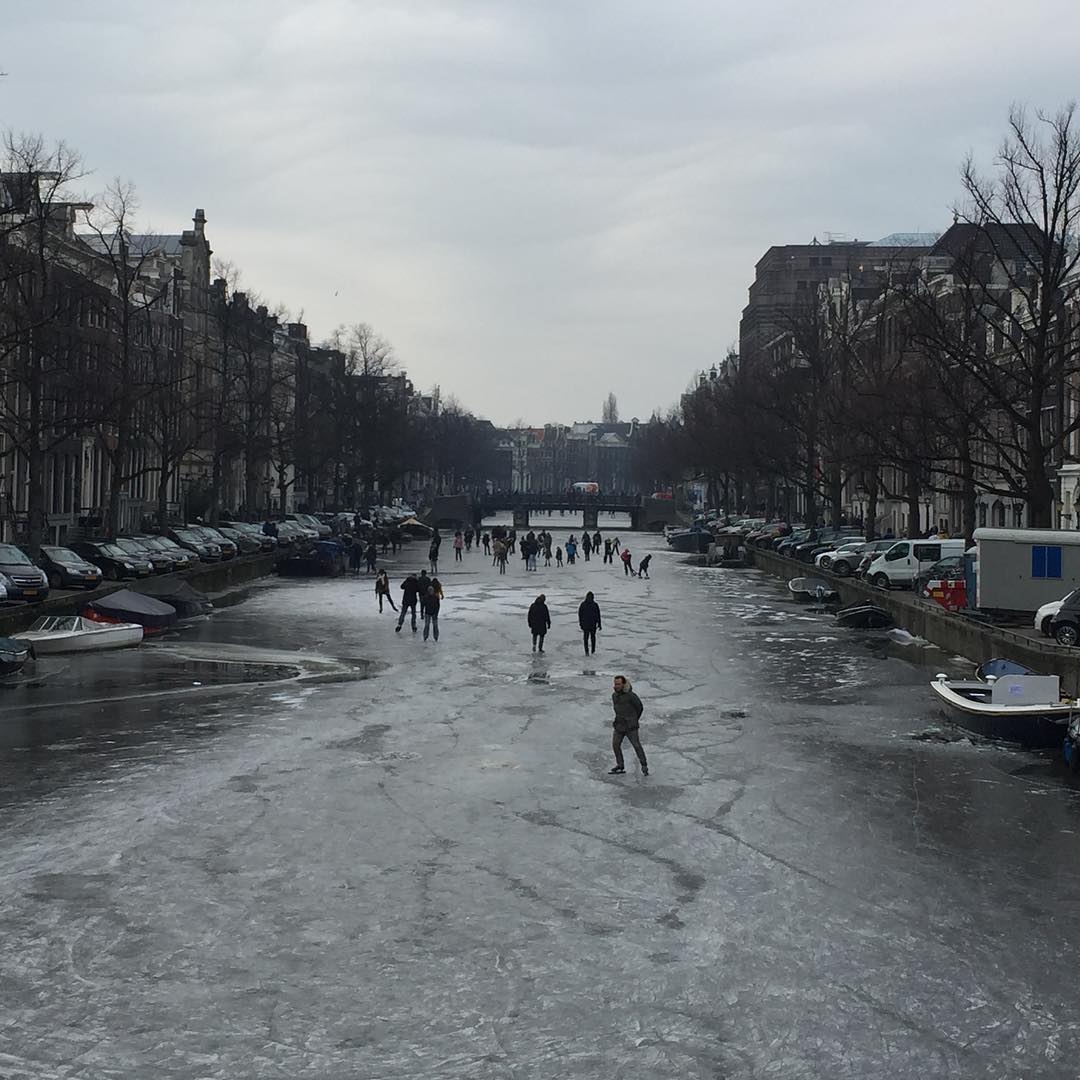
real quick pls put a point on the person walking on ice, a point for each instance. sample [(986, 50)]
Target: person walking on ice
[(588, 617), (627, 561), (382, 589), (431, 612), (628, 710), (643, 567), (539, 621)]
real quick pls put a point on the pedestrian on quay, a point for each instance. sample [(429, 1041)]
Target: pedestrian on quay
[(486, 541), (432, 603), (609, 556), (539, 621), (586, 545), (356, 556), (410, 592), (558, 557), (382, 589), (459, 545), (588, 617), (628, 710), (433, 556), (643, 567), (627, 561), (372, 557)]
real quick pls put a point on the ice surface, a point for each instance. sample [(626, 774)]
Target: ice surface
[(430, 873)]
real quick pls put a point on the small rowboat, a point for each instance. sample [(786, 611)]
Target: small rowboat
[(809, 588), (864, 615), (1025, 709), (72, 633)]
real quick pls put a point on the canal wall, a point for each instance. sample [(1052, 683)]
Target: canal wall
[(948, 630), (212, 578)]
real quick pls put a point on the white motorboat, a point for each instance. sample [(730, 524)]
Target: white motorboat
[(72, 633), (1027, 709)]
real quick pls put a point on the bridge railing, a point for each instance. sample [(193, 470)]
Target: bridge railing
[(528, 501)]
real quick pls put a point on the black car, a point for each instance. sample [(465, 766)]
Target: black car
[(206, 551), (115, 563), (67, 569), (160, 563), (181, 559), (227, 548)]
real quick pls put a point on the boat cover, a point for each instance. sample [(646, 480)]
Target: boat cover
[(188, 602), (129, 606), (999, 666)]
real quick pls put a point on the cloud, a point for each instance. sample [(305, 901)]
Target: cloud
[(537, 203)]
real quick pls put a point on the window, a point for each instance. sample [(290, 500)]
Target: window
[(800, 284), (982, 515), (826, 260), (813, 260), (897, 551), (928, 552), (1045, 561)]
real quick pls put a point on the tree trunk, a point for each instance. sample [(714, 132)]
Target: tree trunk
[(870, 525), (163, 495), (35, 499), (967, 491), (810, 516), (836, 494), (1040, 498), (914, 530)]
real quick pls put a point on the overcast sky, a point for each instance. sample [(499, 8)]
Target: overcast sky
[(536, 202)]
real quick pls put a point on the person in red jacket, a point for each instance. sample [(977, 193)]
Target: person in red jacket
[(628, 566)]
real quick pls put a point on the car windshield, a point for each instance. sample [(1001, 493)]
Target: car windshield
[(130, 546), (114, 551), (187, 535), (63, 555), (11, 555)]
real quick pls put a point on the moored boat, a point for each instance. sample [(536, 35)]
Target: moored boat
[(125, 606), (13, 654), (72, 633), (864, 615), (807, 588), (1025, 709), (692, 541)]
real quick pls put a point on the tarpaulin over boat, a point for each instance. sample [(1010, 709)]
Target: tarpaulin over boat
[(128, 606), (188, 602)]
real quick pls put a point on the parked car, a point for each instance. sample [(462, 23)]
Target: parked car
[(202, 547), (22, 580), (115, 563), (322, 530), (66, 569), (228, 549), (825, 538), (264, 541), (166, 543), (783, 544), (904, 560), (1044, 617), (294, 533), (824, 559), (859, 561), (179, 558), (1065, 625), (245, 543), (160, 563)]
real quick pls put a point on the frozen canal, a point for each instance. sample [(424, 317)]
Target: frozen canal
[(430, 873)]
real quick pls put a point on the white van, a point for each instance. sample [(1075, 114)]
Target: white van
[(906, 559)]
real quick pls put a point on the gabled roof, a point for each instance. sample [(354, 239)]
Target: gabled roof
[(1014, 241), (138, 243)]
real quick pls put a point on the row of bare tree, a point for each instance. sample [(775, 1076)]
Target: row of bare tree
[(106, 341), (952, 373)]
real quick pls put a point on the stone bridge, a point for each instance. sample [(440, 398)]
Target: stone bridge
[(645, 513)]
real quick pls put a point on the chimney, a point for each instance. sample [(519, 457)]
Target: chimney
[(200, 222)]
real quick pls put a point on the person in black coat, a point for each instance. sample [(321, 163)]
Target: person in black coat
[(410, 589), (539, 621), (589, 620)]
